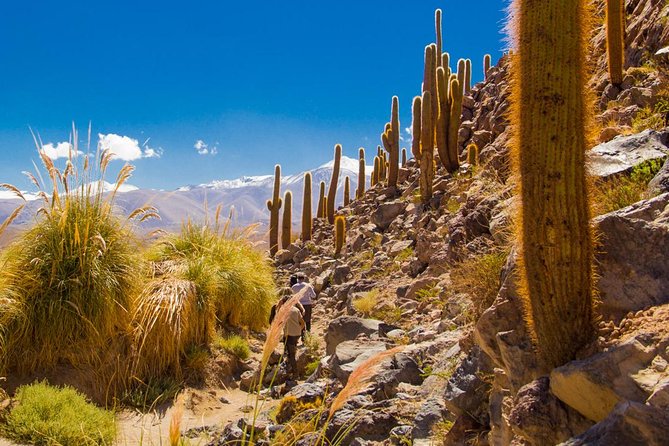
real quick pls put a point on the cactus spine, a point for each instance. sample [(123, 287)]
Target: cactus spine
[(473, 154), (427, 149), (334, 182), (340, 234), (404, 157), (486, 66), (551, 117), (362, 178), (468, 75), (415, 128), (306, 208), (287, 222), (391, 142), (437, 26), (274, 205), (320, 211), (454, 125), (615, 39), (347, 191)]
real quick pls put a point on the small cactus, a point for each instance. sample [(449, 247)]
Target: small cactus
[(462, 73), (415, 127), (321, 201), (274, 205), (427, 149), (486, 65), (391, 142), (334, 182), (347, 191), (306, 208), (473, 154), (404, 157), (375, 172), (287, 222), (340, 234), (437, 26), (615, 39), (362, 178), (468, 75)]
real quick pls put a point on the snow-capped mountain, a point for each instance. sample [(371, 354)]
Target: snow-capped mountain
[(248, 195)]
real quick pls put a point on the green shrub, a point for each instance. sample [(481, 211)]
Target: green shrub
[(235, 345), (46, 415), (625, 190), (366, 303)]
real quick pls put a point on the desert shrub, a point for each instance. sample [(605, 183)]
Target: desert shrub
[(231, 277), (68, 281), (480, 278), (624, 190), (235, 345), (46, 415), (153, 392), (366, 303)]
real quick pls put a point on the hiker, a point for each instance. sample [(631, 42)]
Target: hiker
[(285, 294), (307, 299), (292, 332)]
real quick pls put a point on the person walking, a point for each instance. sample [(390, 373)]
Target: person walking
[(307, 299), (292, 332)]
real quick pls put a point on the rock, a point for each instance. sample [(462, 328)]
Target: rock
[(630, 424), (385, 213), (623, 372), (660, 184), (350, 354), (401, 435), (341, 274), (431, 412), (347, 424), (633, 271), (283, 256), (420, 284), (540, 418), (248, 380), (465, 431), (301, 255), (346, 328), (608, 133), (624, 152), (402, 368), (466, 391), (400, 246), (297, 397)]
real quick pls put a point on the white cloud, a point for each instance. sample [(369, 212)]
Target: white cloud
[(203, 148), (59, 150), (126, 148)]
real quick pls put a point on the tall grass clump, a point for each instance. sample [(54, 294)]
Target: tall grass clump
[(49, 416), (67, 283)]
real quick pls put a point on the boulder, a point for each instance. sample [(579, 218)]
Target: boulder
[(283, 256), (624, 152), (633, 271), (346, 328), (630, 424), (660, 183), (385, 213), (466, 390), (350, 354), (340, 274), (347, 425), (431, 412), (399, 246), (299, 395)]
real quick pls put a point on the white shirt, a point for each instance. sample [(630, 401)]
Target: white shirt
[(309, 294)]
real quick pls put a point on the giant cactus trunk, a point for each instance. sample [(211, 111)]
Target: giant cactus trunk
[(274, 205), (426, 149), (306, 209), (551, 118), (362, 178), (615, 39), (287, 221), (334, 182), (320, 211)]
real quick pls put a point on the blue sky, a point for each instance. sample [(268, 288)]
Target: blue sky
[(257, 83)]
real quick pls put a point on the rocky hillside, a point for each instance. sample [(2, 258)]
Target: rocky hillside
[(438, 280)]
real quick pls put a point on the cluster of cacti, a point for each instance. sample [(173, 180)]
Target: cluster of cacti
[(347, 191), (391, 142), (551, 117), (362, 179), (486, 66), (334, 182), (287, 221), (472, 154), (274, 205), (615, 39), (306, 208), (340, 233), (320, 210)]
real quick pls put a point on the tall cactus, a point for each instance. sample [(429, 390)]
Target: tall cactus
[(320, 211), (404, 157), (615, 39), (362, 178), (430, 76), (306, 209), (427, 149), (552, 118), (375, 172), (486, 66), (347, 191), (287, 222), (334, 182), (454, 125), (443, 117), (462, 73), (468, 75), (274, 205), (391, 142), (415, 128), (340, 234), (437, 26)]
